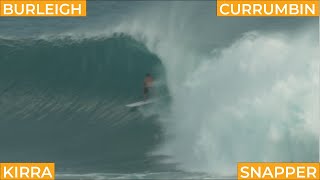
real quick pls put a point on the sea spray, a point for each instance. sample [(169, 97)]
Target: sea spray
[(252, 101)]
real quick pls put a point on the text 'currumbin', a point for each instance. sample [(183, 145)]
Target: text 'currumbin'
[(267, 7)]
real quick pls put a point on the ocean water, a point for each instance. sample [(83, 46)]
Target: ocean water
[(236, 89)]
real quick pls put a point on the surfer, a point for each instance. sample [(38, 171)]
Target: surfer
[(147, 84)]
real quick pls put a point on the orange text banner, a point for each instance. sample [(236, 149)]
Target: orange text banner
[(43, 8), (27, 171), (267, 7), (272, 171)]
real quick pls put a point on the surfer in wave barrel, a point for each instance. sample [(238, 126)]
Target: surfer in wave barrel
[(147, 85)]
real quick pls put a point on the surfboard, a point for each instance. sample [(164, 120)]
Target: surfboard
[(140, 103), (149, 101)]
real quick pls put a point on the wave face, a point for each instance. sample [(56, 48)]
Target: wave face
[(242, 89), (63, 101)]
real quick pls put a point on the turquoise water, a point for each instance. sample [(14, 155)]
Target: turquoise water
[(239, 89)]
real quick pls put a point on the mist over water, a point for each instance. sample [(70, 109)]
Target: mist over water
[(240, 90), (253, 100)]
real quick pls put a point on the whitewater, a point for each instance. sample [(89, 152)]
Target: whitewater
[(240, 90)]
